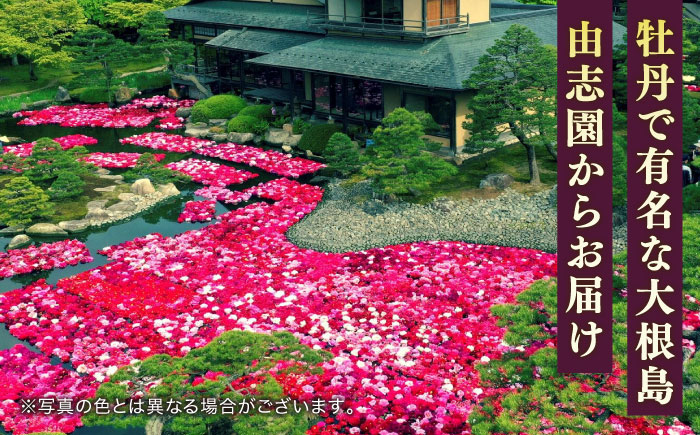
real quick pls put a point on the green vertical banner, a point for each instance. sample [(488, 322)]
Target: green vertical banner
[(654, 207), (584, 187)]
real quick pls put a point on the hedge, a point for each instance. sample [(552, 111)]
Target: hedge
[(94, 95), (247, 124), (217, 107), (260, 111), (315, 138)]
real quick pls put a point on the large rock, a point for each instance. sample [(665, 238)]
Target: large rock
[(276, 136), (105, 189), (173, 93), (292, 141), (286, 148), (9, 231), (112, 177), (46, 229), (240, 137), (122, 207), (124, 94), (75, 226), (496, 181), (183, 112), (196, 130), (62, 95), (142, 187), (289, 128), (219, 138), (127, 196), (218, 122), (168, 189), (92, 205), (19, 241), (97, 214)]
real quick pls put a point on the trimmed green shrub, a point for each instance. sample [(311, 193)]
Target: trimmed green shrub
[(691, 198), (21, 202), (260, 111), (316, 137), (66, 185), (148, 81), (426, 119), (342, 155), (248, 124), (217, 107), (94, 95)]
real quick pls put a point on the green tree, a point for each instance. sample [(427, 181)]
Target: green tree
[(148, 167), (37, 30), (94, 10), (517, 82), (691, 120), (93, 45), (213, 371), (67, 185), (48, 159), (342, 155), (21, 202), (154, 40), (399, 162), (132, 13)]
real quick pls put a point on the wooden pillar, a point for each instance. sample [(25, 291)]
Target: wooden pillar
[(345, 103)]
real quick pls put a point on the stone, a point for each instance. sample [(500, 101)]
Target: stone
[(62, 95), (105, 189), (173, 93), (168, 189), (276, 136), (219, 138), (96, 204), (102, 171), (75, 226), (459, 158), (258, 139), (197, 130), (374, 207), (40, 104), (127, 196), (240, 138), (292, 141), (309, 153), (142, 187), (9, 231), (112, 177), (46, 229), (122, 207), (320, 179), (97, 214), (124, 94), (444, 205), (218, 122), (183, 112), (19, 241), (286, 148), (496, 181), (289, 128)]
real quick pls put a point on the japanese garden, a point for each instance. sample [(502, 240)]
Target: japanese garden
[(228, 217)]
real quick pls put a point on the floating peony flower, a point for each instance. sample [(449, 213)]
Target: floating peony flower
[(66, 142), (43, 257), (116, 160), (198, 211), (267, 160), (209, 173), (167, 142)]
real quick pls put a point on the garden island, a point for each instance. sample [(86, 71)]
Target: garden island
[(299, 216)]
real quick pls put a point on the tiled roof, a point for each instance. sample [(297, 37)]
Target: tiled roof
[(265, 15), (443, 62), (692, 11), (260, 41)]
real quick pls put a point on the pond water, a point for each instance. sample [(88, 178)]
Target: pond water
[(161, 219)]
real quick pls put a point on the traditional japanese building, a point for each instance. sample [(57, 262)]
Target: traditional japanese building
[(354, 60)]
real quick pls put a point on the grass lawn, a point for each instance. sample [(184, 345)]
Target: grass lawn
[(16, 78), (510, 159)]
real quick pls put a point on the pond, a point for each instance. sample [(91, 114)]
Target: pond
[(161, 219)]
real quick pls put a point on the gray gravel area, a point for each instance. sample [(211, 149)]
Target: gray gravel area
[(348, 219)]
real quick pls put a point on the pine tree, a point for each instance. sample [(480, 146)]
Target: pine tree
[(517, 83), (399, 162), (342, 155), (21, 202), (67, 185), (48, 159)]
